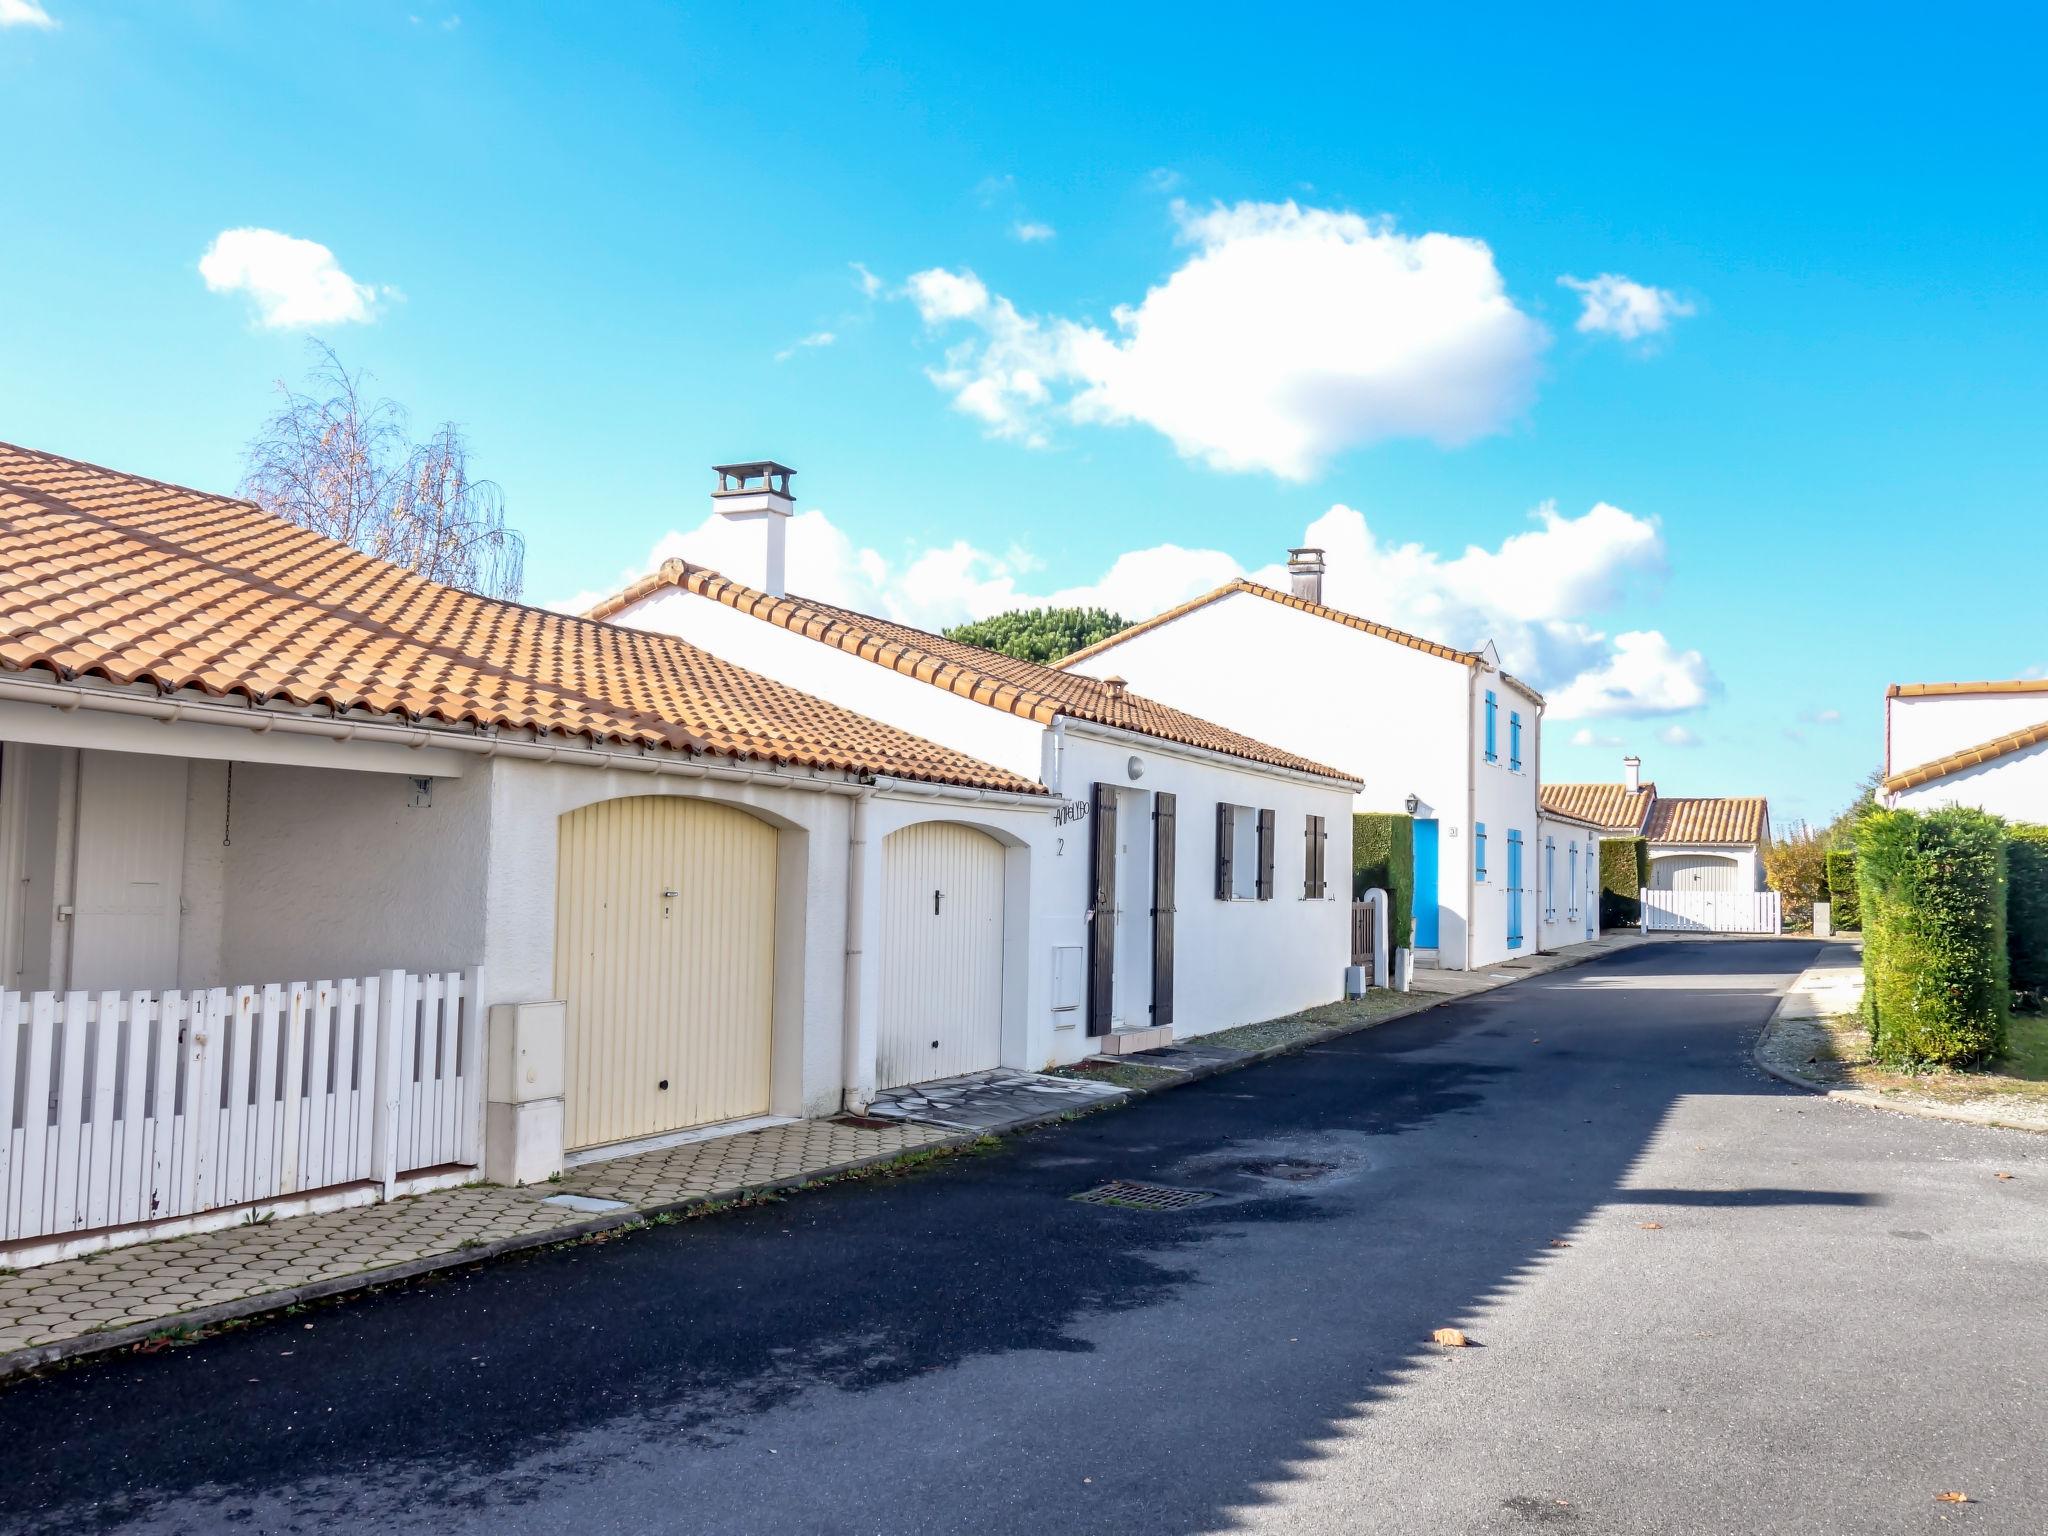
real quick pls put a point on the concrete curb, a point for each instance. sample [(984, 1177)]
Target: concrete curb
[(38, 1356), (1863, 1097)]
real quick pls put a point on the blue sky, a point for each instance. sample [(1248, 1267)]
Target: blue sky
[(598, 237)]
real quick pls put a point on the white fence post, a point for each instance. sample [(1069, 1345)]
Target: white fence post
[(394, 999)]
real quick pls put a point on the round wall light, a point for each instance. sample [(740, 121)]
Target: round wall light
[(1135, 768)]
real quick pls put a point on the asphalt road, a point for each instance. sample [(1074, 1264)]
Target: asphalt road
[(1840, 1314)]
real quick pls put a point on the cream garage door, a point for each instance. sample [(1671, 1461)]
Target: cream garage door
[(665, 954), (942, 954)]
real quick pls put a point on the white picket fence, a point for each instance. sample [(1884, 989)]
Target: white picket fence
[(137, 1107), (1712, 912)]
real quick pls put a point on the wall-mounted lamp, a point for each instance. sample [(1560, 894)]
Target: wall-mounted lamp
[(1414, 804), (1135, 768)]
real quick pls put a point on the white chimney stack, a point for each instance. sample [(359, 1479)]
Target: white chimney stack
[(1305, 574), (1632, 774), (758, 493)]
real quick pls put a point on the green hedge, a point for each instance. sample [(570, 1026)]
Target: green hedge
[(1383, 856), (1624, 874), (1842, 889), (1936, 979), (2026, 909)]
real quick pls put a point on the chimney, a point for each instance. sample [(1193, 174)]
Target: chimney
[(1116, 686), (1305, 574), (1632, 774), (758, 493)]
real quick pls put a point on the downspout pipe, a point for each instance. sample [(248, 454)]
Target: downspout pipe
[(856, 1074)]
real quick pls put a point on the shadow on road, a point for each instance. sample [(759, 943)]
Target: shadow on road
[(1366, 1192)]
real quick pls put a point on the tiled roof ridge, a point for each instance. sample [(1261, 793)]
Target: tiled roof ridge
[(1287, 600), (139, 581), (917, 655), (2013, 685), (1968, 757)]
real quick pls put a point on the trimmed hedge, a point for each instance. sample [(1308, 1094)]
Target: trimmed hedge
[(1624, 875), (1936, 979), (1841, 879), (2026, 909), (1383, 856)]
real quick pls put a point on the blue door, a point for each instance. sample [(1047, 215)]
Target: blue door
[(1425, 884), (1514, 890)]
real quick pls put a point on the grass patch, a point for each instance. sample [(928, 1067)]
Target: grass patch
[(1122, 1074), (1351, 1013), (1836, 1052)]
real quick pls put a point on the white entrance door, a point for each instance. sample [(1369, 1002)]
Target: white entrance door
[(130, 868), (942, 954), (665, 955)]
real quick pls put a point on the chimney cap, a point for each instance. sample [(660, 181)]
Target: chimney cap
[(734, 479), (1301, 559), (1116, 685)]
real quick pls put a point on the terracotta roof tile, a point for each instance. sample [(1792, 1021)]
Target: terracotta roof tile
[(1024, 688), (1608, 806), (1718, 819), (1952, 690), (1969, 757), (109, 575), (1285, 600)]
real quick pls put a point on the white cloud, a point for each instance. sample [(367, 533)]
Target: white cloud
[(1584, 736), (1619, 306), (1290, 335), (25, 13), (1644, 675), (1678, 736), (815, 339), (1031, 230), (293, 282), (1821, 716), (1563, 568), (866, 281)]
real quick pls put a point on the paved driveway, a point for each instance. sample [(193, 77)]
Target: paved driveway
[(1839, 1315)]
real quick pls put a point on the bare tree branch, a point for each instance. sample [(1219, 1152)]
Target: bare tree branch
[(332, 460)]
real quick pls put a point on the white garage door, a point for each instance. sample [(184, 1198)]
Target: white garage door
[(1693, 872), (942, 954), (665, 954)]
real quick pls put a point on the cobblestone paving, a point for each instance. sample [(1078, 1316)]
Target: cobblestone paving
[(156, 1282)]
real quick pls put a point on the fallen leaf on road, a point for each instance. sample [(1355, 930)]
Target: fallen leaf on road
[(2005, 1175), (1450, 1338), (1558, 1242), (1953, 1498), (1651, 1226)]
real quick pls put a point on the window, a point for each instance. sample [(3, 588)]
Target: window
[(1514, 741), (1479, 851), (1244, 853), (1314, 865), (1492, 727)]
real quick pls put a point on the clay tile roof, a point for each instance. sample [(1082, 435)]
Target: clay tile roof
[(1607, 806), (1969, 757), (1953, 690), (1285, 600), (1718, 819), (1024, 688), (112, 576)]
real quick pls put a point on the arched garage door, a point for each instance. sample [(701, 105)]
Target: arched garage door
[(1693, 872), (942, 954), (665, 954)]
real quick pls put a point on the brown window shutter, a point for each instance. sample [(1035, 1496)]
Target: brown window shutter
[(1322, 858), (1308, 858), (1226, 836), (1102, 916), (1164, 818), (1265, 887)]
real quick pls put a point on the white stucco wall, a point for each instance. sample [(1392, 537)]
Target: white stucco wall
[(1504, 801), (1922, 728), (2014, 786), (1569, 908), (329, 874), (1403, 719)]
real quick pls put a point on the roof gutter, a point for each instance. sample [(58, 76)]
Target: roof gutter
[(71, 696)]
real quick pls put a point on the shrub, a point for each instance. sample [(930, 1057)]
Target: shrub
[(2026, 910), (1841, 887), (1624, 873), (1932, 892), (1383, 855), (1795, 866), (1039, 634)]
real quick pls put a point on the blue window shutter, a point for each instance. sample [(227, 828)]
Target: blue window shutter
[(1492, 727), (1514, 889), (1479, 851), (1515, 740)]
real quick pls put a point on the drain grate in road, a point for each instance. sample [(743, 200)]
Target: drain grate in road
[(1133, 1196)]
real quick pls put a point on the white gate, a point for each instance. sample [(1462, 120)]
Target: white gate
[(121, 1108), (1711, 912)]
